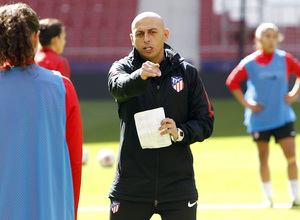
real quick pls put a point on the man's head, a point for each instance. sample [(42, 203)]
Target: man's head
[(148, 36)]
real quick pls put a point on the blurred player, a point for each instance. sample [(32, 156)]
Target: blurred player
[(41, 132), (52, 43), (267, 103)]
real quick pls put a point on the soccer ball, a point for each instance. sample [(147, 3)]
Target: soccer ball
[(85, 155), (106, 157)]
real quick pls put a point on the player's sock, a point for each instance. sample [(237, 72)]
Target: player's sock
[(268, 190), (294, 189)]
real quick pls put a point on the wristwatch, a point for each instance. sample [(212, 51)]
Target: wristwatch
[(180, 135)]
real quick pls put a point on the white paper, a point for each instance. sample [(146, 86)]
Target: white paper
[(147, 124)]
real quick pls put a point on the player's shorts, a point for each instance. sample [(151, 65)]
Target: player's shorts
[(282, 132), (126, 210)]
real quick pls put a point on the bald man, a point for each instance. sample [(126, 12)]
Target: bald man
[(160, 178)]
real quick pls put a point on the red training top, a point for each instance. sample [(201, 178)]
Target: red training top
[(74, 137), (48, 59)]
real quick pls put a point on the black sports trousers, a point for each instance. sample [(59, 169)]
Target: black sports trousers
[(126, 210)]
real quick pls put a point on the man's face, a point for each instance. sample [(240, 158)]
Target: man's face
[(148, 37)]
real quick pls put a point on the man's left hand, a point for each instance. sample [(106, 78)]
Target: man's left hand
[(168, 126)]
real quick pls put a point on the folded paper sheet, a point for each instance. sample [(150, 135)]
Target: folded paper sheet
[(147, 124)]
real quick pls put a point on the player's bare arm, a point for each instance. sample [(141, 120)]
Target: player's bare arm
[(150, 69), (293, 95), (253, 105)]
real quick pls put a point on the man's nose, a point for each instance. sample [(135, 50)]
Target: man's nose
[(146, 37)]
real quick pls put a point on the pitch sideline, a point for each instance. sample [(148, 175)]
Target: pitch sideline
[(200, 207)]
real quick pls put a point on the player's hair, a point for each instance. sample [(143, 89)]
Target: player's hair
[(260, 30), (49, 28), (17, 24), (263, 27)]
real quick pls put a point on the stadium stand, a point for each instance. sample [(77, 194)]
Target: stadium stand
[(96, 29), (219, 42), (99, 29), (98, 34)]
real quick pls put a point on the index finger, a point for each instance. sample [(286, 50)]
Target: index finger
[(167, 120), (152, 64)]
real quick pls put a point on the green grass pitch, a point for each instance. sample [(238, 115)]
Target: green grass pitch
[(226, 167)]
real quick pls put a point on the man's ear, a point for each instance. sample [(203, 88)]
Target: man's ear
[(132, 40), (167, 34)]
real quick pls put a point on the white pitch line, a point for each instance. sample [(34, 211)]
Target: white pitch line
[(243, 206), (200, 207)]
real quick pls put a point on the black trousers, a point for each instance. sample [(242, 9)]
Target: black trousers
[(126, 210)]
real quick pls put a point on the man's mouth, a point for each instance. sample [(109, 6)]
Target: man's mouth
[(148, 48)]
